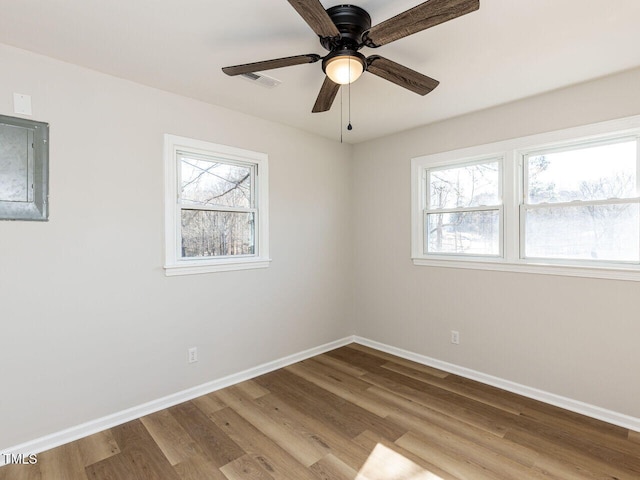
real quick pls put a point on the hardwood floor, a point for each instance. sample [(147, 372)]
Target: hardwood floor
[(352, 413)]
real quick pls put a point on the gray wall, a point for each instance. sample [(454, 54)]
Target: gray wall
[(91, 326), (574, 337), (89, 323)]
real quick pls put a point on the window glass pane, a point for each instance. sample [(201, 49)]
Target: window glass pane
[(591, 173), (210, 234), (596, 232), (466, 186), (471, 233), (206, 182)]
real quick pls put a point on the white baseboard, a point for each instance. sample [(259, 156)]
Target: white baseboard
[(94, 426), (609, 416)]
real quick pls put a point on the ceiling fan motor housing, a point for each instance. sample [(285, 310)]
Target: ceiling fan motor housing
[(352, 22)]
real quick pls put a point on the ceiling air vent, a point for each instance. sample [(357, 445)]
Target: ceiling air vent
[(260, 79)]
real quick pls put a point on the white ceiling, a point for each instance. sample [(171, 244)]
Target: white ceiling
[(509, 49)]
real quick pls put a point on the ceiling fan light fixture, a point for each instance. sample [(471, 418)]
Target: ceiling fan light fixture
[(345, 67)]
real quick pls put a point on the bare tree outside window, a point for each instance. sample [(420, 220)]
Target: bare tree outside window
[(581, 203), (217, 214), (464, 209)]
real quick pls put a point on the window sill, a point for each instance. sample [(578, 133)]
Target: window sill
[(188, 267), (610, 273)]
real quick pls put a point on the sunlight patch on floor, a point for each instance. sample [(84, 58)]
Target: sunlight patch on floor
[(385, 464)]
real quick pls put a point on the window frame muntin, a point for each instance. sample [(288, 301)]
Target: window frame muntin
[(175, 264)]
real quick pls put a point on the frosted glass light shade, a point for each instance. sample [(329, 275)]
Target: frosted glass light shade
[(344, 69)]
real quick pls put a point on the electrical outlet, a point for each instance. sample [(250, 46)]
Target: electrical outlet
[(455, 337), (192, 355)]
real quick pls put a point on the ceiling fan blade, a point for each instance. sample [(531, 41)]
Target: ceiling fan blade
[(326, 96), (416, 19), (316, 17), (271, 64), (401, 75)]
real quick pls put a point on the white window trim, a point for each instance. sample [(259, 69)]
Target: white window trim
[(174, 264), (512, 152)]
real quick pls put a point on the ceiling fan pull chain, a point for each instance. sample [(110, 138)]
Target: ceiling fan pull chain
[(341, 110), (349, 127)]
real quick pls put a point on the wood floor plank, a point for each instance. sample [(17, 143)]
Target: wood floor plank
[(572, 418), (435, 421), (272, 457), (357, 357), (62, 463), (97, 447), (350, 414), (466, 412), (216, 446), (328, 406), (21, 472), (340, 365), (454, 463), (112, 468), (176, 444), (252, 389), (561, 469), (198, 468), (209, 403), (530, 406), (585, 430), (245, 468), (400, 361), (332, 382), (139, 457), (329, 372), (298, 444), (299, 396), (385, 463), (463, 390), (340, 445), (576, 453), (371, 441), (331, 467), (556, 435), (459, 446), (435, 394)]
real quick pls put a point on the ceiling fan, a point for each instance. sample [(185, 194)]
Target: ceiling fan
[(345, 29)]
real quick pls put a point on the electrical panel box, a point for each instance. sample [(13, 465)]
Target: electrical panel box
[(24, 169)]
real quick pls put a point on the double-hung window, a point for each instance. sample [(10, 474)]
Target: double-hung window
[(562, 203), (580, 203), (463, 209), (215, 207)]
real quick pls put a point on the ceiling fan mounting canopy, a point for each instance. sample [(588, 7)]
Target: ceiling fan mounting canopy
[(345, 29), (352, 23)]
